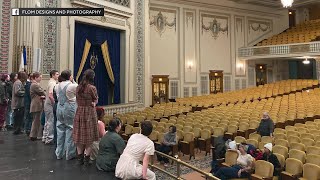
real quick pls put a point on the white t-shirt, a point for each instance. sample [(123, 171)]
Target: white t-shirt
[(70, 92), (51, 85), (244, 160)]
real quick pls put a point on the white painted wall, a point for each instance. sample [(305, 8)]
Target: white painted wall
[(189, 51)]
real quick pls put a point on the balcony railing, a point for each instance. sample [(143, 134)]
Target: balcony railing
[(121, 108), (283, 50)]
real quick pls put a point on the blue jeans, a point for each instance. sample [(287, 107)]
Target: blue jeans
[(9, 119), (55, 124), (230, 172), (65, 144)]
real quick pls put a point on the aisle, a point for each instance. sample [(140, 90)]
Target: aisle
[(21, 159)]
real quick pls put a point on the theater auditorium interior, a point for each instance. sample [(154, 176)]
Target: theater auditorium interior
[(205, 89)]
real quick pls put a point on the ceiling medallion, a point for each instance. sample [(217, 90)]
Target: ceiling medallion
[(287, 3)]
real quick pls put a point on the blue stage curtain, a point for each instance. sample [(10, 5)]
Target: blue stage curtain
[(96, 36)]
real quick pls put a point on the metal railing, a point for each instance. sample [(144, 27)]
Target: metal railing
[(179, 163)]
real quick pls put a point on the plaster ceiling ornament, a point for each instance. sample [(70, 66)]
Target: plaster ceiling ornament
[(125, 3), (215, 28), (287, 3), (160, 22)]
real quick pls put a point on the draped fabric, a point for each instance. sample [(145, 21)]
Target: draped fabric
[(106, 58), (85, 53), (109, 92)]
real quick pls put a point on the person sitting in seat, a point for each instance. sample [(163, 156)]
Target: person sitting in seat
[(111, 147), (266, 125), (170, 139), (270, 157), (242, 169)]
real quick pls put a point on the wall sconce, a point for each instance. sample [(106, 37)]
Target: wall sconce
[(260, 67), (160, 79), (190, 65), (306, 61), (240, 66), (215, 74)]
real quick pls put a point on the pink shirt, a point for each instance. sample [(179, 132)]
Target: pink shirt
[(101, 129)]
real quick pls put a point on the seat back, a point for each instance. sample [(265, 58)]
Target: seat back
[(298, 146), (306, 135), (293, 133), (217, 131), (160, 137), (180, 134), (253, 142), (188, 137), (281, 142), (280, 150), (281, 159), (240, 139), (313, 150), (232, 129), (136, 130), (197, 132), (279, 130), (266, 139), (297, 154), (255, 136), (313, 159), (264, 169), (293, 166), (311, 171), (279, 136), (292, 139), (308, 142), (231, 157), (205, 134), (154, 136), (128, 129)]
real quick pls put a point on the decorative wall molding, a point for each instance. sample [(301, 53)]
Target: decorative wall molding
[(139, 41), (50, 51), (125, 3), (160, 21), (214, 26), (189, 17), (254, 25), (86, 3), (5, 35), (108, 20), (239, 24)]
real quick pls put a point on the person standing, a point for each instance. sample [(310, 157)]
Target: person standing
[(85, 123), (17, 103), (266, 125), (37, 96), (48, 132), (9, 119), (27, 102), (66, 109), (3, 100)]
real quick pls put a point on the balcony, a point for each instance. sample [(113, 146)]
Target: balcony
[(277, 51)]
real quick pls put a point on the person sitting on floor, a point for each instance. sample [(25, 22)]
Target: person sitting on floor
[(270, 157), (139, 148), (101, 131), (242, 169), (111, 147), (170, 139)]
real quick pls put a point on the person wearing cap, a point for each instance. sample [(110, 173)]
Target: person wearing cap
[(270, 157), (266, 125), (242, 169)]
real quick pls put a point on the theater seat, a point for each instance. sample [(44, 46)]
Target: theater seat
[(310, 172), (230, 158), (187, 145), (297, 154), (263, 170), (313, 159), (293, 169)]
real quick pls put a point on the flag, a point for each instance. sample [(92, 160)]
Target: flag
[(23, 62)]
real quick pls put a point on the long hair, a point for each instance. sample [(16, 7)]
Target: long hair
[(88, 78)]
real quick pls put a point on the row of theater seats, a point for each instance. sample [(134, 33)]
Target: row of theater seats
[(185, 105), (296, 152), (302, 33)]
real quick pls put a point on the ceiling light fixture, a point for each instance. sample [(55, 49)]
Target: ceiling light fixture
[(287, 3), (306, 61)]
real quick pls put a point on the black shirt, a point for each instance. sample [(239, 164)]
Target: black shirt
[(265, 127)]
